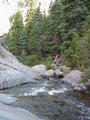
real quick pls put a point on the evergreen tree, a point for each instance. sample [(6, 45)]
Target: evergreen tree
[(36, 32), (55, 15), (78, 54), (53, 32), (74, 13), (60, 32), (22, 57), (30, 15), (15, 33), (23, 41)]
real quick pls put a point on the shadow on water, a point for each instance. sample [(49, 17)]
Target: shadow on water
[(52, 100)]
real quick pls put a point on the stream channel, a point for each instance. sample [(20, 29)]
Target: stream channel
[(51, 100)]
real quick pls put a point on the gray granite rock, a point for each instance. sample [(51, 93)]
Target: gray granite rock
[(10, 113), (12, 72), (83, 86), (7, 99), (53, 73), (73, 77)]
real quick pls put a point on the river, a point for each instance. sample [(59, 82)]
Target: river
[(51, 100)]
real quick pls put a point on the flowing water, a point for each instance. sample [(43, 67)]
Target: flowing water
[(51, 100)]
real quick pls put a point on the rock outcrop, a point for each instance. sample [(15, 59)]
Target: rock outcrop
[(12, 72), (7, 99), (40, 68), (54, 73), (10, 113), (73, 78)]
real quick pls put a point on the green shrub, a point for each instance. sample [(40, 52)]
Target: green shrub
[(87, 73), (49, 66), (64, 69), (54, 48), (32, 60), (22, 57), (86, 76), (49, 59), (61, 68), (49, 63), (82, 81)]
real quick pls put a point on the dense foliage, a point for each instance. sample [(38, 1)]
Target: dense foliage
[(65, 31), (14, 34)]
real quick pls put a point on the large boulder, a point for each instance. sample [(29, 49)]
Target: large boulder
[(65, 69), (12, 72), (10, 113), (54, 73), (73, 77), (40, 68), (59, 73), (50, 73)]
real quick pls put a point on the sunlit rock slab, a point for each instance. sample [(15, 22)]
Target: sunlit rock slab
[(10, 113), (7, 99), (12, 72)]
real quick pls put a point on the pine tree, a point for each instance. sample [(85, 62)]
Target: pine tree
[(36, 32), (23, 41), (22, 57), (30, 15), (55, 15), (74, 13), (78, 54), (15, 33), (53, 22)]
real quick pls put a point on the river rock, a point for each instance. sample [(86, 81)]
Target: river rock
[(88, 84), (54, 73), (12, 72), (6, 99), (10, 113), (73, 77), (80, 87), (59, 73), (50, 73), (40, 68), (65, 69), (83, 87)]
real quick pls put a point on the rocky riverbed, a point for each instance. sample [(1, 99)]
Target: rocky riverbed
[(51, 100)]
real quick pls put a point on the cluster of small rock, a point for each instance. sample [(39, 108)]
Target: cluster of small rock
[(41, 69)]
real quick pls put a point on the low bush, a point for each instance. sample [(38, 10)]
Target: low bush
[(49, 66), (49, 63), (32, 60)]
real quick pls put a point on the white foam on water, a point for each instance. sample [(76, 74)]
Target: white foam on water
[(35, 91), (52, 92), (43, 88)]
